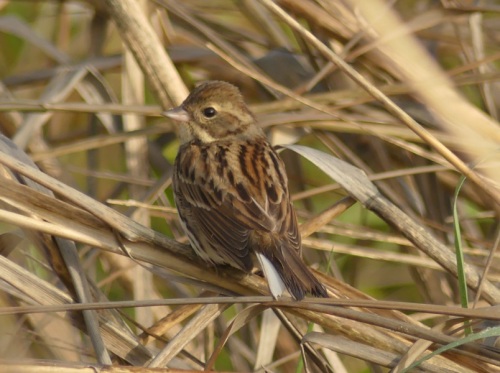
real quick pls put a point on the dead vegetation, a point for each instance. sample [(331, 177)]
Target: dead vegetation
[(94, 272)]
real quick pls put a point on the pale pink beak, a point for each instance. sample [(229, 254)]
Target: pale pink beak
[(178, 114)]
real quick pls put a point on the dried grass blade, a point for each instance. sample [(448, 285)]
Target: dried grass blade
[(360, 187)]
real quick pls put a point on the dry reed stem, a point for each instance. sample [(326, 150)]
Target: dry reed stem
[(64, 105)]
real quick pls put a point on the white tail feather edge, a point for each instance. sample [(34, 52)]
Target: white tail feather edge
[(276, 284)]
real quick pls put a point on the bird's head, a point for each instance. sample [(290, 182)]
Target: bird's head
[(214, 111)]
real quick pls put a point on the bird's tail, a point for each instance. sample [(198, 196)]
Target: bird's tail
[(284, 268)]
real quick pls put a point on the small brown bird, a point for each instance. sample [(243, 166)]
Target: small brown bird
[(231, 191)]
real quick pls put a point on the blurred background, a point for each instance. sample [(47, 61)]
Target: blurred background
[(73, 98)]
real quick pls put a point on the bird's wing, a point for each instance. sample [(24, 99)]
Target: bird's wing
[(211, 225), (261, 193), (221, 216)]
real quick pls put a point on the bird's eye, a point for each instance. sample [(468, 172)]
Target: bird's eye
[(209, 112)]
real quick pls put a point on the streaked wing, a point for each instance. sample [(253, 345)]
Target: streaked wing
[(215, 236), (266, 181), (292, 231), (220, 216)]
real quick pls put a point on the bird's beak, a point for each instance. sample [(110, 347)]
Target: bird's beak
[(178, 114)]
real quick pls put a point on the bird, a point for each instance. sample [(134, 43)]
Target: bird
[(231, 191)]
